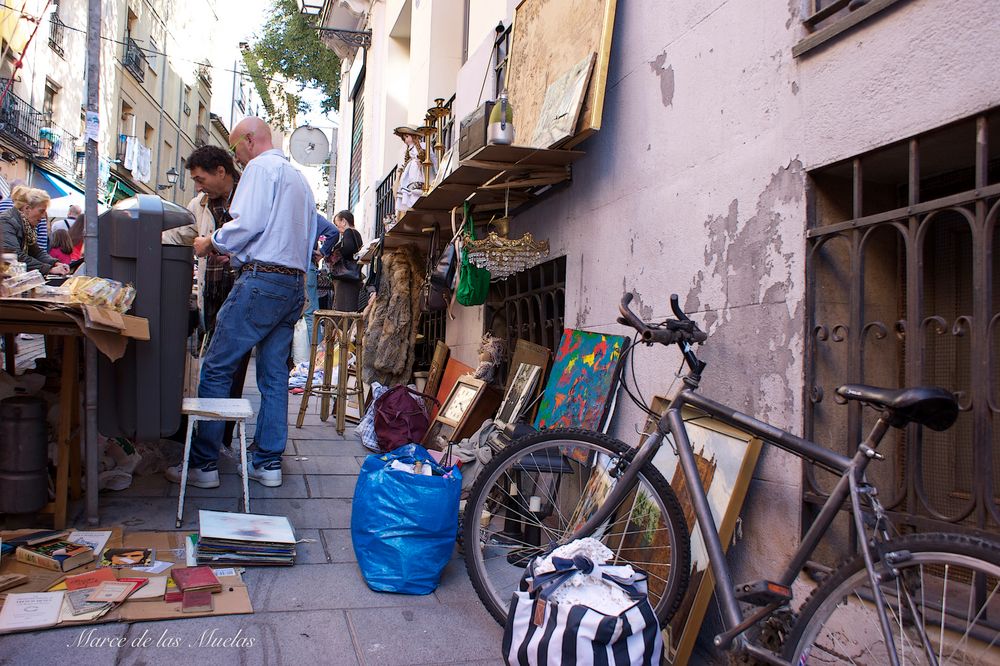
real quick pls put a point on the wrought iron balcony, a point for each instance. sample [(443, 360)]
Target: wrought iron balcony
[(57, 34), (19, 121), (58, 145), (201, 136), (135, 60)]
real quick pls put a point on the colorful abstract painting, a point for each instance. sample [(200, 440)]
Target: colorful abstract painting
[(581, 379)]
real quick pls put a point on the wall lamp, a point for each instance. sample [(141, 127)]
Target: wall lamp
[(172, 176)]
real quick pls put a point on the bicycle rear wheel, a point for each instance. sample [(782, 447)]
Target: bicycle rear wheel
[(535, 493), (944, 601)]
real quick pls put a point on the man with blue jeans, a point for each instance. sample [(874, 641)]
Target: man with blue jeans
[(326, 230), (270, 239)]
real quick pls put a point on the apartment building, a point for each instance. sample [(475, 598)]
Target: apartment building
[(817, 180)]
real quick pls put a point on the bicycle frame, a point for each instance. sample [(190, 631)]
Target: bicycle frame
[(851, 472)]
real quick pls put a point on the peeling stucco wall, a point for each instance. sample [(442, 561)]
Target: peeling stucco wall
[(697, 185)]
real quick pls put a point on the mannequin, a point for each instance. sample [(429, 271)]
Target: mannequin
[(409, 185)]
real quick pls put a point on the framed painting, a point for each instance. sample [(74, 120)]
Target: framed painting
[(580, 386), (519, 394), (726, 458), (532, 354)]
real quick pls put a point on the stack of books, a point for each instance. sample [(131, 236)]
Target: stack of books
[(244, 539)]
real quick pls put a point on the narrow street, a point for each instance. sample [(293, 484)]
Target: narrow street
[(317, 612)]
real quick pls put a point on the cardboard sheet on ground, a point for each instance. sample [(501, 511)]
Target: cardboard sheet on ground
[(233, 600)]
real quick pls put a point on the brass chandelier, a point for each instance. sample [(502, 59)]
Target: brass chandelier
[(503, 256)]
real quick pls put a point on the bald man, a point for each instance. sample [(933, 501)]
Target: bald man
[(269, 240)]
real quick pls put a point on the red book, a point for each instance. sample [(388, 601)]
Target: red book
[(197, 601), (196, 578), (89, 579)]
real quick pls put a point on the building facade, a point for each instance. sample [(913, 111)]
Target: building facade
[(818, 181)]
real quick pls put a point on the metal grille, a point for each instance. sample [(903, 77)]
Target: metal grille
[(502, 45), (904, 290), (20, 122), (357, 130), (135, 60), (385, 203), (57, 34), (530, 305)]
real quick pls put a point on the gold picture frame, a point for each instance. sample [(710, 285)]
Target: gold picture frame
[(726, 459)]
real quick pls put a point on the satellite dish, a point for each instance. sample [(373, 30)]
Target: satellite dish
[(309, 146)]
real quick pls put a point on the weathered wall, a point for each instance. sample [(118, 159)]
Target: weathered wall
[(696, 184)]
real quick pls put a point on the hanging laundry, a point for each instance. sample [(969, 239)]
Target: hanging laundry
[(131, 153), (143, 164)]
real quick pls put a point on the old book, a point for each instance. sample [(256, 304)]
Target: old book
[(8, 581), (90, 578), (172, 594), (95, 539), (79, 604), (112, 591), (137, 584), (128, 557), (196, 578), (57, 555), (34, 610), (154, 590), (197, 601)]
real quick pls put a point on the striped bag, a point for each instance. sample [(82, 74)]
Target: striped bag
[(542, 632)]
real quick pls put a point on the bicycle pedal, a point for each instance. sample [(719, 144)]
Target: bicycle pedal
[(763, 592)]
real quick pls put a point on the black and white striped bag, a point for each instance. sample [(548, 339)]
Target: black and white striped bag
[(541, 632)]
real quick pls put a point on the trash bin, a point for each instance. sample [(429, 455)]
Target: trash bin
[(140, 395), (24, 455)]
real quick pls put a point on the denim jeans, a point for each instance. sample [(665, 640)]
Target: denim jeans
[(260, 311), (313, 297)]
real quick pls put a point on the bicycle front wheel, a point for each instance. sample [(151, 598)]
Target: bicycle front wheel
[(942, 596), (539, 490)]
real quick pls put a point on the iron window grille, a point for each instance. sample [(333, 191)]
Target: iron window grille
[(826, 19), (502, 47), (530, 305), (57, 34), (135, 60), (903, 288)]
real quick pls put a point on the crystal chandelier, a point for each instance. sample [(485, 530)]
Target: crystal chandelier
[(503, 256)]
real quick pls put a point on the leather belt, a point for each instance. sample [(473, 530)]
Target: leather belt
[(271, 268)]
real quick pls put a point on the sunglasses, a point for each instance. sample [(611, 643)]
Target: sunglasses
[(243, 138)]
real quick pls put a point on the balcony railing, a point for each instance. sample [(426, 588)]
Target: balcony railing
[(201, 136), (135, 60), (58, 145), (57, 34), (19, 121)]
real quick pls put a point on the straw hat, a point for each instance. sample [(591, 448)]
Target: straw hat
[(406, 129)]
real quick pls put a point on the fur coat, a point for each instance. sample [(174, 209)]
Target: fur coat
[(392, 329)]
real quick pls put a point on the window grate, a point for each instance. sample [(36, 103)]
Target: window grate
[(357, 131)]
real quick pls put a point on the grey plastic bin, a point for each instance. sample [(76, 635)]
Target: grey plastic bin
[(140, 395)]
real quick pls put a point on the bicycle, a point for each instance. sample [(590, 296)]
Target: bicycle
[(927, 598)]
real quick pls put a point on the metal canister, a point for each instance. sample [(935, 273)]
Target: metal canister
[(24, 485)]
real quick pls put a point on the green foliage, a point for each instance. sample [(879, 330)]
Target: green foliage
[(290, 47)]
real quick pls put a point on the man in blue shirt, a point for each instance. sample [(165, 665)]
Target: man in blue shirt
[(270, 240)]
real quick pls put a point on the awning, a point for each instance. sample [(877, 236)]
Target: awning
[(118, 190), (56, 186)]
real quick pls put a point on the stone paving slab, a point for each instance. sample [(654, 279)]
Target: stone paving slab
[(441, 634), (329, 485), (321, 513), (293, 464), (339, 547), (320, 587)]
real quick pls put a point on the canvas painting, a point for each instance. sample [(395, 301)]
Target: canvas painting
[(579, 387), (725, 458), (561, 107), (522, 388)]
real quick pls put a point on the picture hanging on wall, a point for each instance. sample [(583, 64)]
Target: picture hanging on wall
[(580, 387)]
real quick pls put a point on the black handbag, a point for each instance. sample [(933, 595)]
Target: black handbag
[(440, 277), (342, 267)]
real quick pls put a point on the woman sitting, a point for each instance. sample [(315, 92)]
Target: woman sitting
[(18, 226)]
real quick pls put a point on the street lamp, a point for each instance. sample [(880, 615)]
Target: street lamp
[(172, 176)]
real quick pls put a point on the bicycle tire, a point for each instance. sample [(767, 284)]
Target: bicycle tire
[(666, 536), (832, 627)]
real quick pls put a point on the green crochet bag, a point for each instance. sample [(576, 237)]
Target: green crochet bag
[(473, 282)]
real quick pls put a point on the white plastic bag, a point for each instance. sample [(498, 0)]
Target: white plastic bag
[(300, 342)]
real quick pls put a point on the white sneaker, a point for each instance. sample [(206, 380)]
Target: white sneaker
[(207, 477), (269, 475)]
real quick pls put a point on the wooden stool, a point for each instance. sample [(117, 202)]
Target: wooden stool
[(215, 409), (344, 328)]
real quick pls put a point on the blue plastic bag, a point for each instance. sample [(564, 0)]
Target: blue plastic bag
[(404, 525)]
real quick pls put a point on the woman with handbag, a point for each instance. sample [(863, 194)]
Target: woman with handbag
[(344, 269)]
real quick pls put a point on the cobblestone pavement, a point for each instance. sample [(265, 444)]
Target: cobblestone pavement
[(318, 612)]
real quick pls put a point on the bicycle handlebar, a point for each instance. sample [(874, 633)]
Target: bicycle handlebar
[(681, 331)]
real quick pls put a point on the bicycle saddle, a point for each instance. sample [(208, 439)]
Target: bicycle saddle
[(930, 406)]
